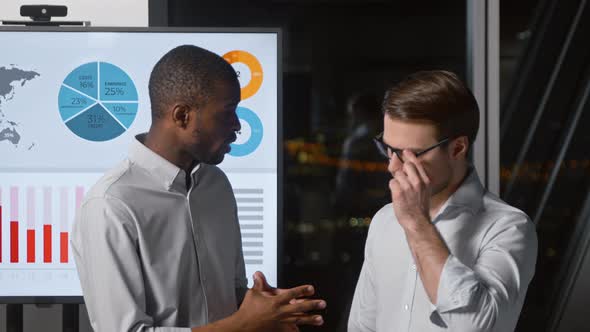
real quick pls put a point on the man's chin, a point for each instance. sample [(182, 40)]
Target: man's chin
[(216, 160), (219, 155)]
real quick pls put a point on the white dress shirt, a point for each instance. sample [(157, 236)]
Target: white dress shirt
[(483, 283), (154, 256)]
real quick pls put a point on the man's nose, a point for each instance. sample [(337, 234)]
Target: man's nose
[(237, 126)]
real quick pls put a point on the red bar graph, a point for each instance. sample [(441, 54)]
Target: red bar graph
[(14, 241), (63, 234), (47, 229), (22, 230), (30, 246), (47, 243), (64, 247), (13, 224), (31, 225)]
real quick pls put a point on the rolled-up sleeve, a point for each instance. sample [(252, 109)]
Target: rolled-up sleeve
[(104, 244), (477, 298)]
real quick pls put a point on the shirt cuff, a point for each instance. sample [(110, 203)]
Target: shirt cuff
[(457, 286)]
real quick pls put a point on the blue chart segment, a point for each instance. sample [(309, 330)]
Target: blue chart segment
[(96, 124), (125, 113), (115, 84), (98, 101), (72, 102), (84, 79), (256, 133)]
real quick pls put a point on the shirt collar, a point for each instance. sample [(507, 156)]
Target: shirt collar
[(165, 172), (469, 195)]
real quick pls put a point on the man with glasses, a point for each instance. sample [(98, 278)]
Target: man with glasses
[(445, 255)]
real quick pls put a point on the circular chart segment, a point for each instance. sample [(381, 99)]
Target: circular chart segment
[(98, 101), (250, 135), (251, 77)]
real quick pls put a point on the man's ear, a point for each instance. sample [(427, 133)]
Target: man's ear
[(181, 115), (459, 147)]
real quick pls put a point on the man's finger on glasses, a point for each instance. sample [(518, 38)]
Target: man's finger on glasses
[(412, 157)]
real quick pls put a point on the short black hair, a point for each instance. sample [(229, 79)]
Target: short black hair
[(187, 74)]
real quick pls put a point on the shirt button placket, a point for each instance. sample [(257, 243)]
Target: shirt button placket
[(408, 306)]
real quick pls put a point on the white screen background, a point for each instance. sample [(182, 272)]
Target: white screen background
[(50, 160)]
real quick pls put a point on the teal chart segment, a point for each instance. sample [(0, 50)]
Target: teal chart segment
[(98, 101), (256, 133)]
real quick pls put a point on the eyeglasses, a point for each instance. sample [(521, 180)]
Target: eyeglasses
[(387, 151)]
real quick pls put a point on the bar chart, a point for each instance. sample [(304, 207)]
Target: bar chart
[(250, 214), (256, 197), (32, 236), (37, 213)]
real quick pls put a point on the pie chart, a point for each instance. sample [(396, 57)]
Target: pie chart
[(98, 101), (250, 135), (252, 75)]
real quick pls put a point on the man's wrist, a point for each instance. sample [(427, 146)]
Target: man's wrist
[(416, 224), (240, 322)]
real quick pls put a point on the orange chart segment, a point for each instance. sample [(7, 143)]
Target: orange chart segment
[(253, 64)]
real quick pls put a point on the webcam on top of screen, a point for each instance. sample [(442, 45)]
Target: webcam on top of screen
[(41, 15)]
